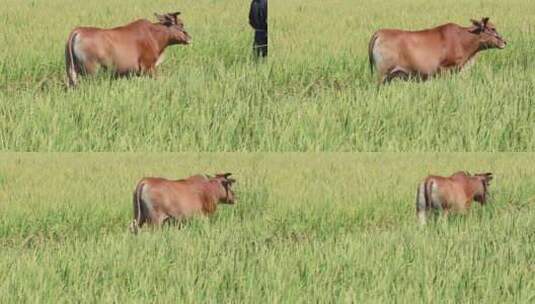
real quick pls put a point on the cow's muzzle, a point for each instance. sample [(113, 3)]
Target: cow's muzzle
[(188, 39)]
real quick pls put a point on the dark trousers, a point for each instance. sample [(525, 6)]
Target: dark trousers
[(260, 46)]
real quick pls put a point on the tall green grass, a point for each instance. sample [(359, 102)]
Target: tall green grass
[(306, 228), (314, 93)]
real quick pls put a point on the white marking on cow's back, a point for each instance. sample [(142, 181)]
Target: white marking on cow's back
[(436, 202), (377, 56), (160, 59), (421, 196), (78, 52), (145, 197)]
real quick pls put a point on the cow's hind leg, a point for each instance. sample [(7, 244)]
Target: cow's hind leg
[(89, 68), (161, 219), (171, 222)]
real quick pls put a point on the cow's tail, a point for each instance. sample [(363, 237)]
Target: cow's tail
[(423, 203), (371, 46), (71, 60), (137, 204)]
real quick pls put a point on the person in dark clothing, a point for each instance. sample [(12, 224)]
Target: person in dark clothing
[(258, 15)]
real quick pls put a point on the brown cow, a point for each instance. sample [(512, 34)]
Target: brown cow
[(131, 49), (158, 199), (422, 54), (454, 193)]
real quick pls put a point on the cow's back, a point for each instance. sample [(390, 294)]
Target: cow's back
[(135, 31), (126, 34)]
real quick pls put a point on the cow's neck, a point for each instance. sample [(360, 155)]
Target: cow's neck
[(162, 37), (473, 185), (210, 200), (470, 44)]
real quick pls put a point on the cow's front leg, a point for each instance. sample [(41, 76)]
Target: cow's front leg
[(151, 71), (147, 65), (89, 67), (161, 220)]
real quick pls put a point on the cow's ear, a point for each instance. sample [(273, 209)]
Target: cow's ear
[(475, 22), (173, 17), (224, 175), (160, 18), (164, 19), (485, 176), (477, 26)]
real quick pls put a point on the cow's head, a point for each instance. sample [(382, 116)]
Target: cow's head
[(481, 186), (225, 182), (488, 36), (175, 26)]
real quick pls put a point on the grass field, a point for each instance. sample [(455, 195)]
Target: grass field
[(307, 228), (315, 93)]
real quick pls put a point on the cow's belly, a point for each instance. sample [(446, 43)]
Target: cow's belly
[(183, 206), (438, 199), (125, 60), (424, 61), (459, 203), (455, 198)]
